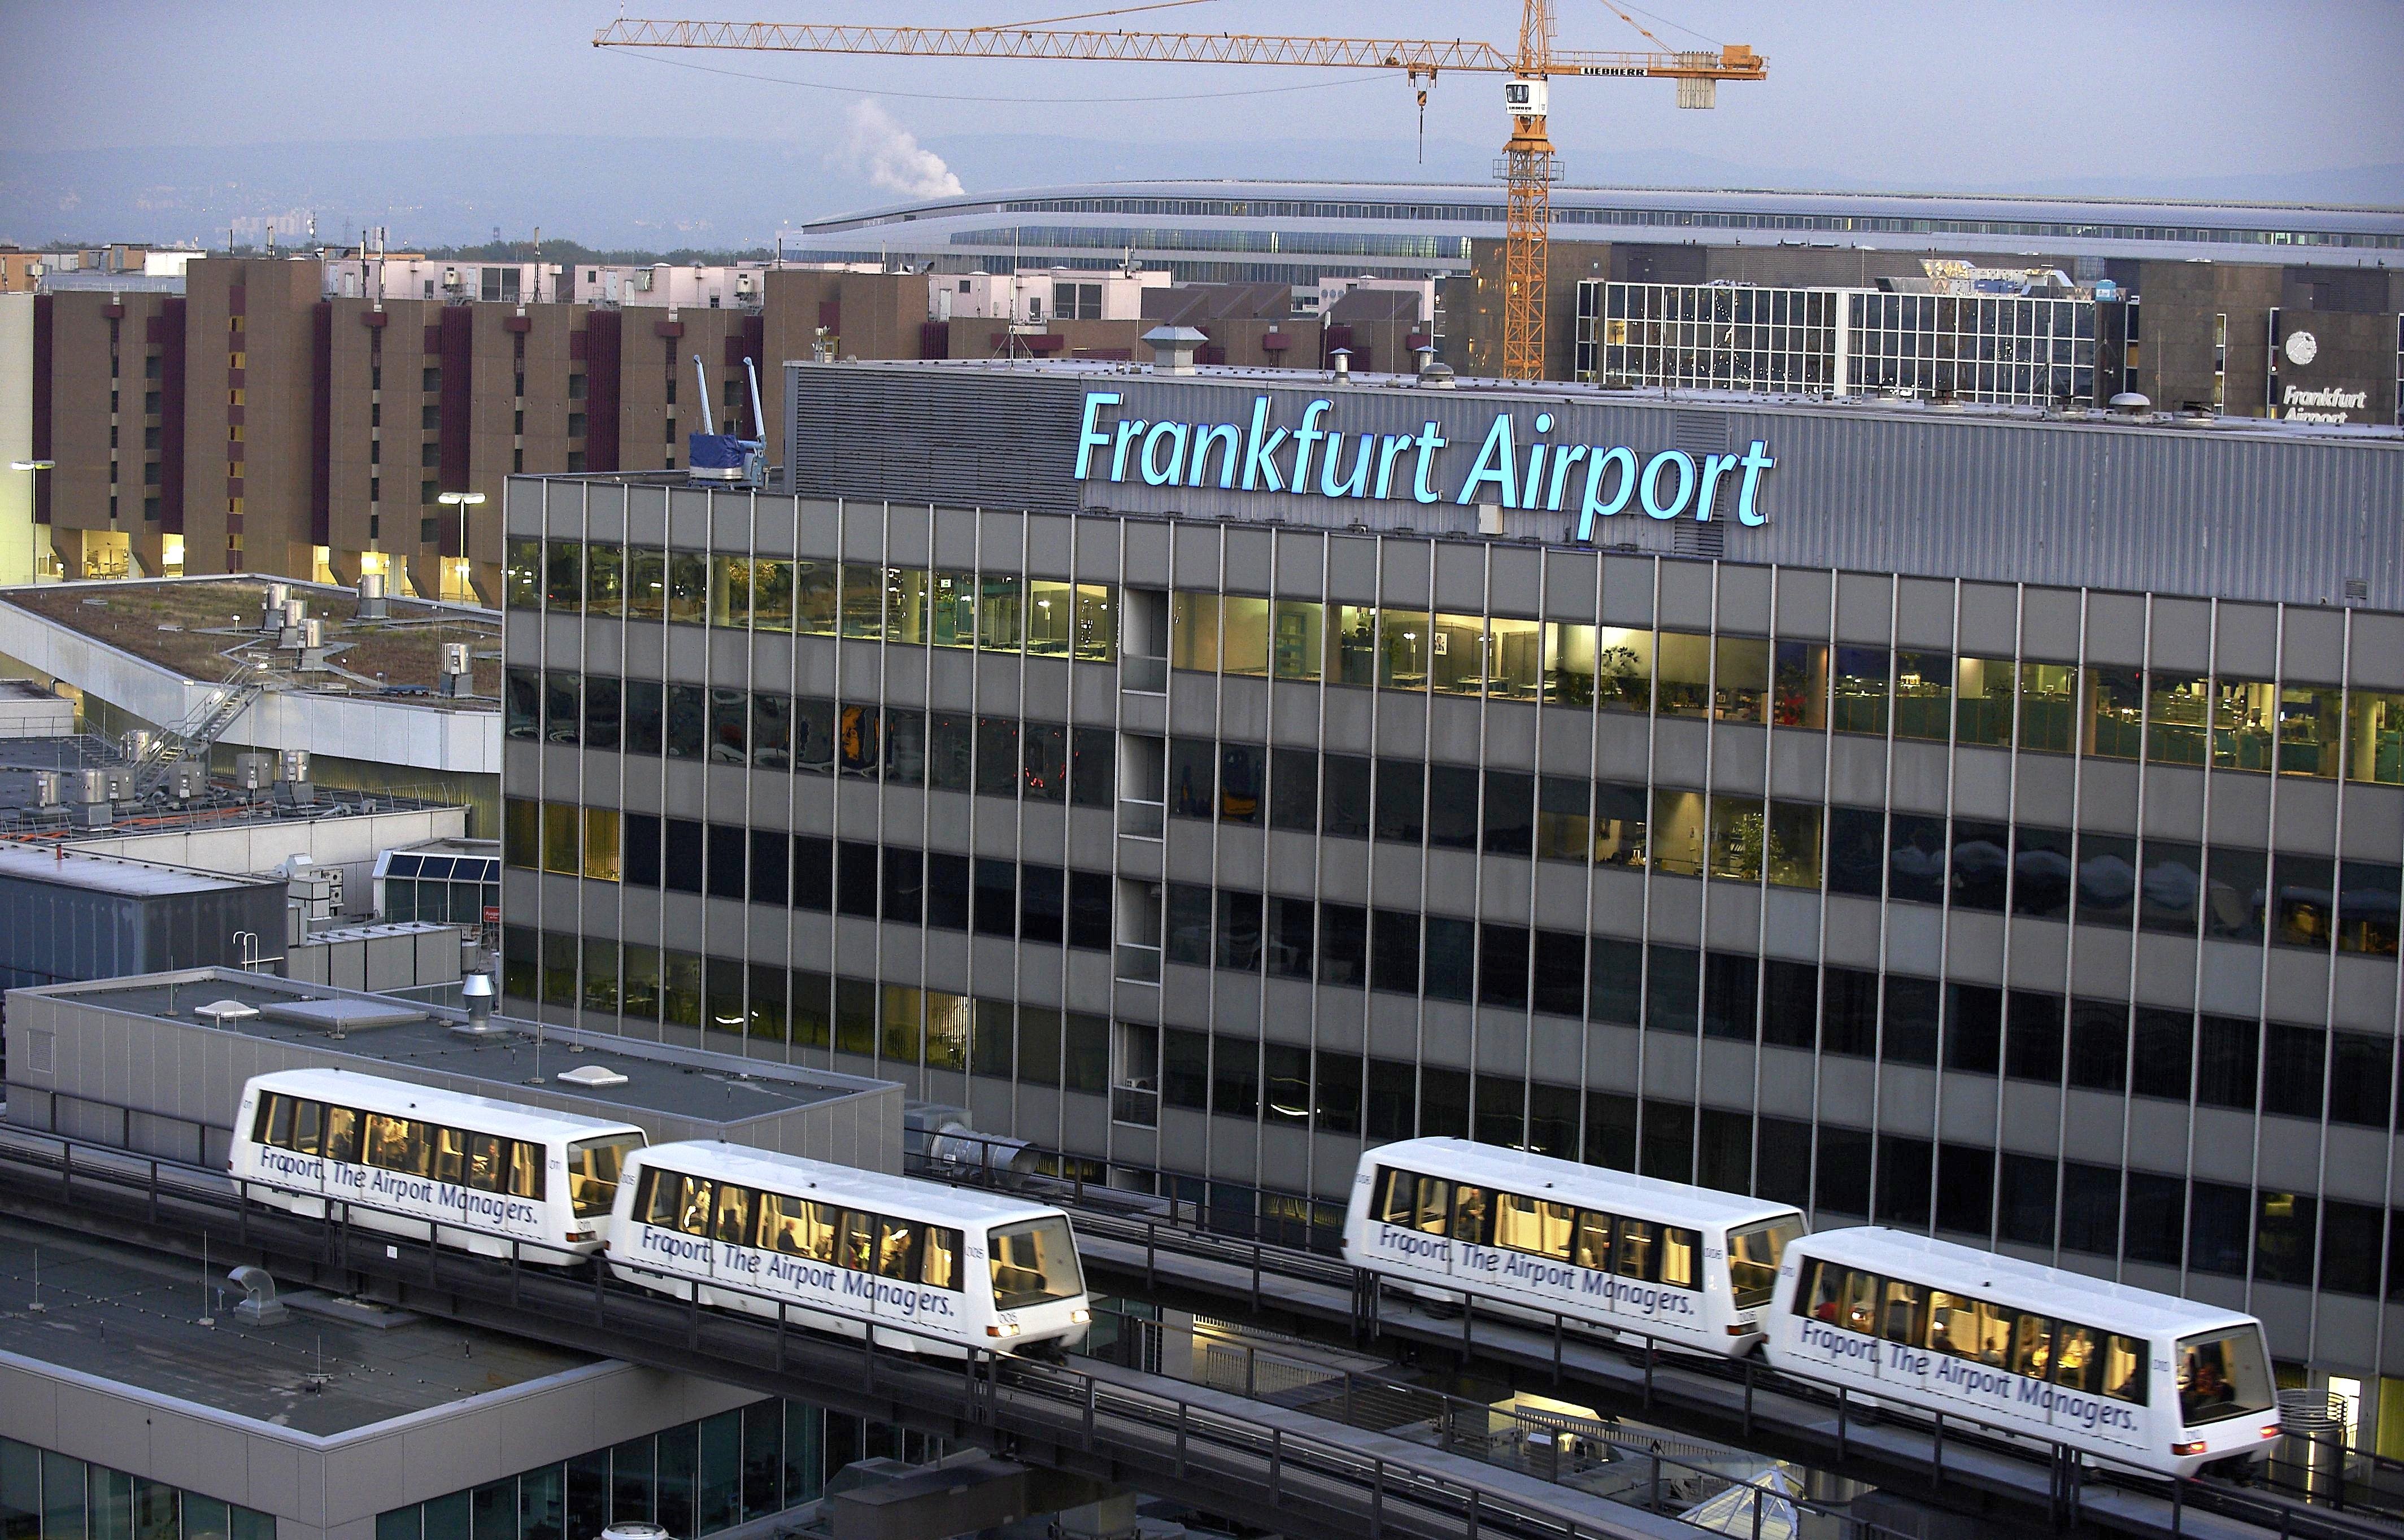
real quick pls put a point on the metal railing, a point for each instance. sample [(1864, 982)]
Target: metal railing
[(1148, 675), (1180, 1230), (1142, 820), (1139, 1105), (1134, 963)]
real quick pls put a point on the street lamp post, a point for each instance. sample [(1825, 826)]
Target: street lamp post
[(34, 468), (462, 501)]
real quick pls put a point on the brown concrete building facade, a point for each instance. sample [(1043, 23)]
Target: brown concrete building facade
[(255, 423)]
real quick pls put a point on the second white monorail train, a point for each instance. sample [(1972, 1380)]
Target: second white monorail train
[(850, 1251), (2130, 1376), (1531, 1235)]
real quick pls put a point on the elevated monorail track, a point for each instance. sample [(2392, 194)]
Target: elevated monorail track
[(1247, 1458)]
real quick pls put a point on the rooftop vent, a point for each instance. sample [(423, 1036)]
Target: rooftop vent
[(2130, 403), (592, 1076), (1436, 377), (1173, 348), (259, 1306), (226, 1011)]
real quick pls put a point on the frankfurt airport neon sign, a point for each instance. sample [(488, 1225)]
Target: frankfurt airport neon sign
[(1595, 481)]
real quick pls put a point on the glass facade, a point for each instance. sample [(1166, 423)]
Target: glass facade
[(695, 1478), (48, 1496), (1991, 348), (1963, 908)]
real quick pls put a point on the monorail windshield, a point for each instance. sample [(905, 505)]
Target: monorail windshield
[(1034, 1263), (1754, 1254), (2223, 1374), (592, 1169)]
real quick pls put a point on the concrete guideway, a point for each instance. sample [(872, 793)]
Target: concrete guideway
[(1259, 1465)]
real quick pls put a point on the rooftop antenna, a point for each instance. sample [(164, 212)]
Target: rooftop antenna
[(537, 264), (36, 1308), (700, 377), (206, 1319)]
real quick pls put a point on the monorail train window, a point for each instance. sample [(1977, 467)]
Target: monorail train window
[(858, 1251), (2223, 1374), (1953, 1324), (1033, 1261), (941, 1267), (1994, 1339), (1904, 1313), (396, 1143), (1753, 1254), (488, 1162), (1637, 1248), (733, 1225), (594, 1166), (1839, 1295), (1534, 1226), (342, 1133), (1416, 1202), (308, 1126), (1679, 1251), (1428, 1203), (2124, 1369), (450, 1154), (1470, 1214), (798, 1228), (526, 1170), (687, 1203), (1593, 1245), (897, 1249), (275, 1125), (2032, 1346)]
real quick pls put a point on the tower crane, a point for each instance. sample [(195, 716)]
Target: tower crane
[(1527, 169)]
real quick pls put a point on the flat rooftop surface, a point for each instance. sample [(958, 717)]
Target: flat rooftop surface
[(59, 867), (206, 628), (122, 1313), (660, 1078)]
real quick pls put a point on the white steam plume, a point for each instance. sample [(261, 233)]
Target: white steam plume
[(889, 155)]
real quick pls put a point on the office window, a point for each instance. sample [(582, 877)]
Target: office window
[(1186, 911), (1916, 859), (1343, 945), (1293, 790), (1345, 802), (2303, 911), (2164, 1061), (1860, 683), (1452, 807), (1856, 860), (1401, 800), (2107, 879)]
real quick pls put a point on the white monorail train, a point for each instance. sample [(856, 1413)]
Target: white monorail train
[(1531, 1235), (2137, 1378), (2141, 1378), (845, 1250), (403, 1158)]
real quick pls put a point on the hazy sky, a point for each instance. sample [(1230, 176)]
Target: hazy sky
[(1967, 91)]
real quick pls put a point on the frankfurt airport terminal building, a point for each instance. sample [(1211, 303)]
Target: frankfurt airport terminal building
[(1983, 820)]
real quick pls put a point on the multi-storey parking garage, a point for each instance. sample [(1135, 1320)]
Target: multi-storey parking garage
[(1981, 821)]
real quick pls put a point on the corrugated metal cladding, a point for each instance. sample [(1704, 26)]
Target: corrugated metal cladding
[(2239, 513), (929, 439)]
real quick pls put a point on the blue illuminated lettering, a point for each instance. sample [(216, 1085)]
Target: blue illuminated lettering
[(1649, 488), (1088, 439), (1756, 460), (1495, 463), (1304, 437), (1625, 458), (1260, 449), (1361, 464), (1154, 474)]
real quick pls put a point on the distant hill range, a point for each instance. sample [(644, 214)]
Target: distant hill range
[(657, 194)]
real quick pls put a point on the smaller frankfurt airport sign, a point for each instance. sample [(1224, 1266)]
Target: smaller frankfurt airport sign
[(1308, 457)]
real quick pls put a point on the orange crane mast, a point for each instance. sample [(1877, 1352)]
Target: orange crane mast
[(1527, 167)]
